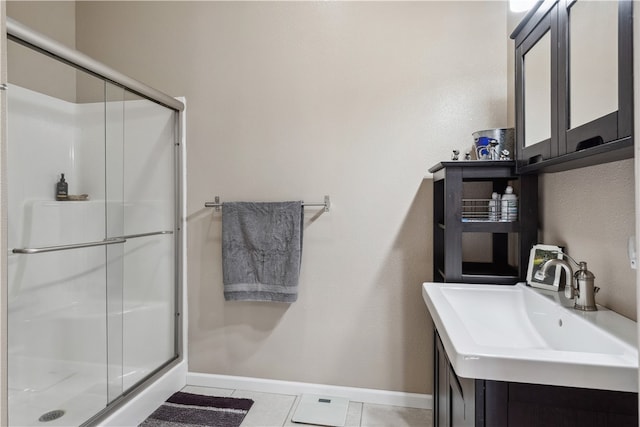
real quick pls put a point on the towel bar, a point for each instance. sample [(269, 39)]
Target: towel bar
[(217, 204)]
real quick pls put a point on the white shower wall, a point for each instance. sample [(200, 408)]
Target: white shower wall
[(42, 143)]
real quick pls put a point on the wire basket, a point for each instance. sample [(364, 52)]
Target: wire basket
[(481, 210)]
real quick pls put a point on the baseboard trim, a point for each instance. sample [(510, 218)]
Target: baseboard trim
[(356, 394)]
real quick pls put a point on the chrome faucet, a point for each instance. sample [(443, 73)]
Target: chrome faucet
[(584, 291), (569, 289)]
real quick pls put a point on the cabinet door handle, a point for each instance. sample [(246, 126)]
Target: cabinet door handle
[(589, 143)]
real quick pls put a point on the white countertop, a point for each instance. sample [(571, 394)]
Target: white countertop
[(520, 334)]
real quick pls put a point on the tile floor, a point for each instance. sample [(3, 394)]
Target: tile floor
[(276, 410)]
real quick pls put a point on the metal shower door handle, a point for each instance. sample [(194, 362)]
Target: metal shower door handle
[(30, 251)]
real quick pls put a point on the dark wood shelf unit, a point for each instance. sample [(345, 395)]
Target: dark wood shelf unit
[(480, 272), (491, 227), (487, 226), (448, 227)]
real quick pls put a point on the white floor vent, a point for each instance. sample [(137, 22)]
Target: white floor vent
[(321, 410)]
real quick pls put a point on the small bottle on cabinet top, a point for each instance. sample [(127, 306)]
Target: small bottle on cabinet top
[(62, 189), (494, 207), (509, 211)]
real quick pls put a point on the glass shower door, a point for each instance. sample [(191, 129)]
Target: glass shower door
[(149, 269), (114, 205), (141, 274), (92, 295), (60, 275)]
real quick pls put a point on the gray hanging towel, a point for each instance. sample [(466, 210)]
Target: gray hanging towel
[(261, 250)]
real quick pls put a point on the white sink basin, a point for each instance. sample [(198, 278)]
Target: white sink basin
[(519, 334)]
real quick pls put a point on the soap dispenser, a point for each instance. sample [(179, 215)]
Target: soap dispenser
[(62, 189), (586, 289)]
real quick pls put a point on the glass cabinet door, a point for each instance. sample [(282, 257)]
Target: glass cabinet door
[(536, 121), (593, 60), (597, 60), (537, 92)]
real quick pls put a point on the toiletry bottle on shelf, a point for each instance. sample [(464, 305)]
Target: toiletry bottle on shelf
[(509, 210), (62, 189), (494, 207)]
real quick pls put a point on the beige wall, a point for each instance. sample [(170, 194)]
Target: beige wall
[(513, 19), (591, 211), (298, 100), (55, 19)]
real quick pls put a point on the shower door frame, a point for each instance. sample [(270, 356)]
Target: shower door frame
[(4, 418), (13, 30)]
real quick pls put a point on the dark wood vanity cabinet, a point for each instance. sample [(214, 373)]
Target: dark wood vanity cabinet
[(506, 239), (466, 402), (454, 397), (574, 84)]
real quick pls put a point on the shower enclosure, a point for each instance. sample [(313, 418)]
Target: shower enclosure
[(93, 281)]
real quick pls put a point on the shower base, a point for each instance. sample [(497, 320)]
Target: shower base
[(63, 393)]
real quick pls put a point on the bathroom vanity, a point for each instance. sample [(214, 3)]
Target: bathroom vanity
[(509, 355), (515, 356), (461, 402)]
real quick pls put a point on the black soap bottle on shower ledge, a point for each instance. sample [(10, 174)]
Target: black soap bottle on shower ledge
[(62, 189)]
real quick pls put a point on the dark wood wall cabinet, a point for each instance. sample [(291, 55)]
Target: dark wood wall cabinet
[(574, 84), (450, 223), (467, 402)]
